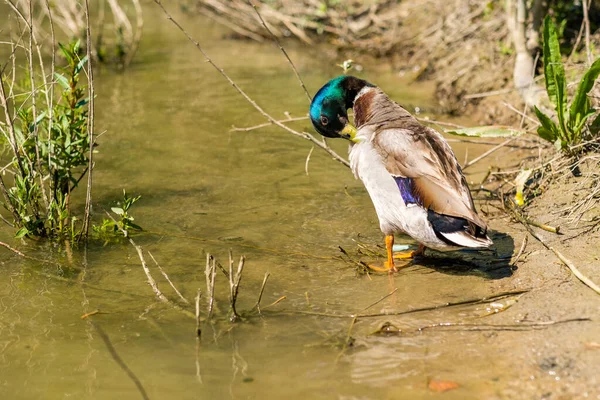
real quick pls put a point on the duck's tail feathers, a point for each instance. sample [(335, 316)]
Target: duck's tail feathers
[(458, 231)]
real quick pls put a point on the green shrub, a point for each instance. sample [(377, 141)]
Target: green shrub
[(572, 123)]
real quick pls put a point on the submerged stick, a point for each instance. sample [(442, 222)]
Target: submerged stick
[(198, 330), (389, 329), (149, 277), (234, 284), (210, 272), (348, 339)]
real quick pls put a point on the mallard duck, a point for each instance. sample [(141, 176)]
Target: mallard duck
[(412, 176)]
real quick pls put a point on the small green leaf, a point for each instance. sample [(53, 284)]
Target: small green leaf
[(82, 102), (62, 80), (22, 233), (134, 226), (554, 72), (485, 131), (595, 126), (65, 52), (581, 103), (117, 210), (548, 130), (81, 64)]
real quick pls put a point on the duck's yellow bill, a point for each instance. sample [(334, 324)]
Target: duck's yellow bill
[(349, 132)]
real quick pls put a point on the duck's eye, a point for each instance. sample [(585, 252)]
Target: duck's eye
[(324, 120)]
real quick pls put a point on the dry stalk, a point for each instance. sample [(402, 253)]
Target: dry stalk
[(234, 284), (168, 280), (210, 272), (198, 330), (149, 277), (512, 210), (260, 293), (391, 330), (487, 153), (90, 127)]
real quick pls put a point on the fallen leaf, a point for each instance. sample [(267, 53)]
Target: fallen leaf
[(442, 386), (592, 346)]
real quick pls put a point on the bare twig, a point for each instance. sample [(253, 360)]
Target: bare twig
[(251, 128), (586, 19), (389, 329), (198, 330), (90, 126), (545, 227), (487, 153), (348, 339), (481, 300), (521, 250), (282, 49), (523, 220), (304, 135), (210, 272), (260, 293), (168, 280), (308, 160), (149, 277), (234, 284), (17, 252)]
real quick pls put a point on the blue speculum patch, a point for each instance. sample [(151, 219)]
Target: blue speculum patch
[(406, 186)]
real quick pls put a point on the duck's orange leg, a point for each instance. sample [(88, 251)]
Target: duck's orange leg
[(388, 266)]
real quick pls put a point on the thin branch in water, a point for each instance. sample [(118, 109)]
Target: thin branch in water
[(210, 272), (282, 50), (390, 329), (234, 284), (168, 280), (260, 293), (149, 277), (198, 330), (348, 340)]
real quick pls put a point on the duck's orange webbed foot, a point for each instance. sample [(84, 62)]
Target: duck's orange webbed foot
[(410, 254), (389, 265)]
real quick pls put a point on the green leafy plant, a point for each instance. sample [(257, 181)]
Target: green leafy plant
[(572, 120), (122, 224), (50, 144)]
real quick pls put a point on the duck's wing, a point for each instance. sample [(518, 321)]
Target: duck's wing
[(428, 174)]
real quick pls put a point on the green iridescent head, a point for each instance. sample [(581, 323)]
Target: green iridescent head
[(329, 108)]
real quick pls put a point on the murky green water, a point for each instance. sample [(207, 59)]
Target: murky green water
[(206, 189)]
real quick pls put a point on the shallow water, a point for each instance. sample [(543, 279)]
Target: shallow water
[(206, 189)]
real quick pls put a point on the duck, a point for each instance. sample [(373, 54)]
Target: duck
[(409, 170)]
